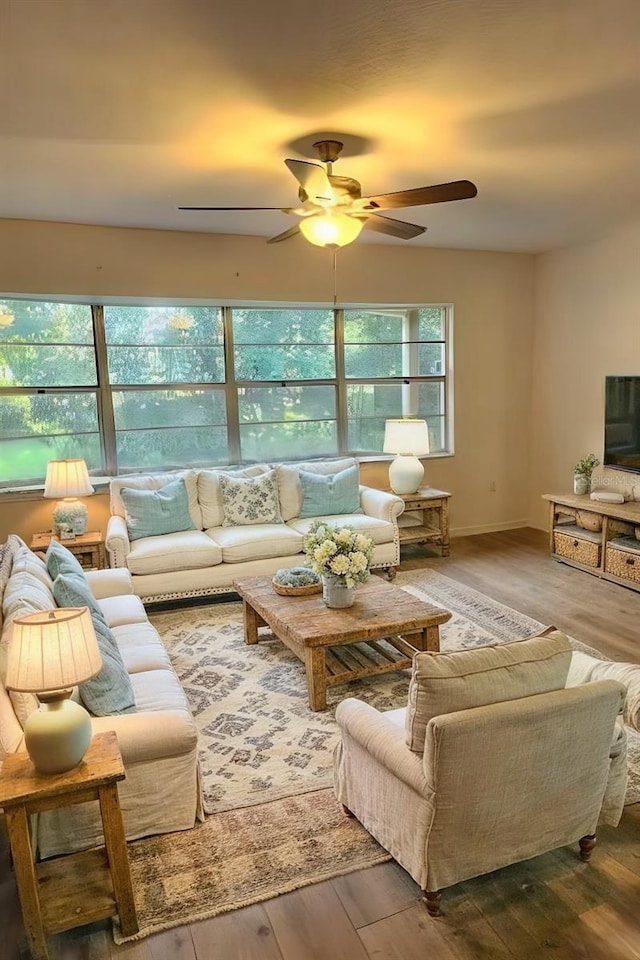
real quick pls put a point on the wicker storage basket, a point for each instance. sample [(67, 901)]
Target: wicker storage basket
[(622, 563), (306, 591), (575, 548)]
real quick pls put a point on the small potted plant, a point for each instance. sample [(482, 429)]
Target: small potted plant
[(582, 473)]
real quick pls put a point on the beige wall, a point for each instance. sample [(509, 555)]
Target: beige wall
[(492, 295), (587, 325)]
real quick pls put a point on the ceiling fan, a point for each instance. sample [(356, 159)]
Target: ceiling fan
[(333, 211)]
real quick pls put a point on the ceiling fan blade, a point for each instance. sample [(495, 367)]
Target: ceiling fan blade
[(437, 193), (395, 228), (312, 178), (282, 209), (291, 232)]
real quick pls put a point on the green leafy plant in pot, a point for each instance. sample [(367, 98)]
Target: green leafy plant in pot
[(582, 473)]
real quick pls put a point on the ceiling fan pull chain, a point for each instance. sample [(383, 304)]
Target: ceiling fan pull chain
[(335, 281)]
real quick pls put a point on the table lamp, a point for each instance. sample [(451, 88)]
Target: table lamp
[(408, 439), (66, 480), (49, 653)]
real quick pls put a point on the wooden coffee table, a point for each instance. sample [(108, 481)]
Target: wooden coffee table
[(379, 634)]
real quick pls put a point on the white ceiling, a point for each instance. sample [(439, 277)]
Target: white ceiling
[(118, 111)]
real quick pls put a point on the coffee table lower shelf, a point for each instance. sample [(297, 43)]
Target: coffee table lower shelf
[(367, 659)]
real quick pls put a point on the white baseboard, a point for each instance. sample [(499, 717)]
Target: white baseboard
[(489, 528)]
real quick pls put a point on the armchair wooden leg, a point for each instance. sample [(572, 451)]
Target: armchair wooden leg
[(432, 900), (586, 846), (391, 573), (348, 812)]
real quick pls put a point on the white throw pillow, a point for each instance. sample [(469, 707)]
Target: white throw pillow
[(210, 495), (248, 500)]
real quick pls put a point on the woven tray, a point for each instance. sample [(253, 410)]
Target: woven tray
[(306, 591)]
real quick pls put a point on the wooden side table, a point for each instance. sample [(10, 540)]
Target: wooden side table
[(87, 547), (426, 518), (79, 888)]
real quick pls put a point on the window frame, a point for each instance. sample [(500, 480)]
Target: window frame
[(104, 391)]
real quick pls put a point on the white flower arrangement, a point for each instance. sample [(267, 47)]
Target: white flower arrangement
[(341, 552)]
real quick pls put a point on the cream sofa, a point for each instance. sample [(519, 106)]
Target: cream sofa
[(206, 560), (159, 746)]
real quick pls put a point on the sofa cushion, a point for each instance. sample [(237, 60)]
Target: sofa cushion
[(250, 500), (210, 495), (447, 682), (158, 690), (380, 531), (154, 481), (152, 513), (333, 493), (174, 551), (290, 487), (141, 648), (126, 609), (60, 560), (258, 541)]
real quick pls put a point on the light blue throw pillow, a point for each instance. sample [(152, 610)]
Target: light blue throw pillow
[(60, 560), (110, 692), (327, 494), (150, 513), (73, 590)]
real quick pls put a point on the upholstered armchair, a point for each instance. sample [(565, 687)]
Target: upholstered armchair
[(493, 761)]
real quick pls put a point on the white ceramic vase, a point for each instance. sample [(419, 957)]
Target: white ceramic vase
[(336, 594), (580, 484)]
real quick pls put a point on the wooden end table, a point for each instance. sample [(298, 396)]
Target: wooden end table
[(387, 624), (79, 888), (87, 547), (426, 518)]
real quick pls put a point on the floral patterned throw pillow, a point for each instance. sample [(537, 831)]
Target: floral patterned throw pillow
[(248, 500)]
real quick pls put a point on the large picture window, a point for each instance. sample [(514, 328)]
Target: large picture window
[(133, 388)]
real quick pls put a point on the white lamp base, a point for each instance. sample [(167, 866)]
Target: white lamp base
[(406, 473), (57, 735)]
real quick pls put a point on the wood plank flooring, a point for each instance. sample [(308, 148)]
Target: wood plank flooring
[(553, 906)]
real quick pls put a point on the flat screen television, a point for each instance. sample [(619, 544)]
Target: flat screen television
[(622, 423)]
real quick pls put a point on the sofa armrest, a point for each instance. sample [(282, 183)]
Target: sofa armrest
[(117, 541), (585, 668), (150, 736), (382, 740), (109, 583), (381, 504)]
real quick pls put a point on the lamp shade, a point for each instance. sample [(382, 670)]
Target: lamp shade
[(52, 650), (67, 478), (330, 229), (406, 436)]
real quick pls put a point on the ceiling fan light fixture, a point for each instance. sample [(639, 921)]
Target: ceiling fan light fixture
[(330, 229)]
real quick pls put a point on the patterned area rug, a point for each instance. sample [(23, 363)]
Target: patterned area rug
[(260, 742), (276, 825)]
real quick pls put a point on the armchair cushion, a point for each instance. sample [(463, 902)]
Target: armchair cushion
[(446, 683)]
